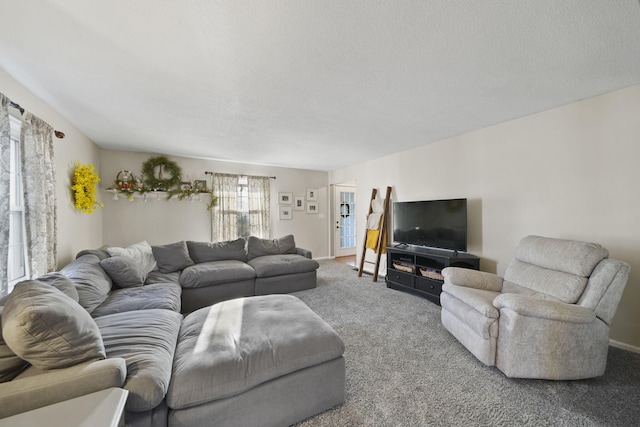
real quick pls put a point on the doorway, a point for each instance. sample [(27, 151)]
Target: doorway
[(344, 207)]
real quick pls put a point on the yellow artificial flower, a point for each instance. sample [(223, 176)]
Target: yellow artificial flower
[(85, 179)]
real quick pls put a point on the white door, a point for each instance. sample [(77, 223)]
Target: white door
[(344, 221)]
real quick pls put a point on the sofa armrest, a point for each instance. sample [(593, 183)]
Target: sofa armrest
[(304, 252), (472, 279), (531, 306), (36, 388)]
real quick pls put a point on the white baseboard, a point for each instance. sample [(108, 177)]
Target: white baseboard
[(624, 346)]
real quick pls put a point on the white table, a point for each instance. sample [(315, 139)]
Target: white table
[(103, 408)]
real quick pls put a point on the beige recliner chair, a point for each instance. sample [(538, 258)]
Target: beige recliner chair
[(547, 318)]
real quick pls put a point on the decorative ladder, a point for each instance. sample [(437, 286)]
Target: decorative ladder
[(381, 236)]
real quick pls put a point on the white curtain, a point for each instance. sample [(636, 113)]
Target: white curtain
[(5, 207), (225, 216), (241, 210), (39, 187), (259, 206)]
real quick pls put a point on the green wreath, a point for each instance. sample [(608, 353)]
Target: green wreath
[(157, 182)]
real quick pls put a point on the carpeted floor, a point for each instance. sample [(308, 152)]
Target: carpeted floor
[(405, 369)]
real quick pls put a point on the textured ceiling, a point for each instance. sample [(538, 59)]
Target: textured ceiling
[(311, 84)]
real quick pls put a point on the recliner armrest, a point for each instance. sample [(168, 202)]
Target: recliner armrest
[(530, 306), (472, 278), (35, 388), (304, 252)]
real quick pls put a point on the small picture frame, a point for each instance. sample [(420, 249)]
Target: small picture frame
[(298, 203), (312, 207), (312, 194), (200, 185), (286, 212), (285, 198), (185, 186)]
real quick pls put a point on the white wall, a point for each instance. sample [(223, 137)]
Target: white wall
[(76, 231), (160, 222), (571, 172)]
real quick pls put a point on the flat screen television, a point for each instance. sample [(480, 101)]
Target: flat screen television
[(432, 223)]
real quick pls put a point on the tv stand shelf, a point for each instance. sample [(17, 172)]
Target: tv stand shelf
[(419, 270)]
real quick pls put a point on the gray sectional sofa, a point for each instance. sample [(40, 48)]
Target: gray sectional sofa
[(189, 329)]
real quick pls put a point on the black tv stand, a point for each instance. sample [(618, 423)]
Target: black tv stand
[(419, 269)]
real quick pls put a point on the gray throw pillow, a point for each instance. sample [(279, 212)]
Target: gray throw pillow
[(172, 257), (260, 247), (140, 252), (48, 329), (124, 271), (218, 251), (10, 364)]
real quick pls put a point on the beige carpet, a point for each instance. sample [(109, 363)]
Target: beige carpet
[(405, 369)]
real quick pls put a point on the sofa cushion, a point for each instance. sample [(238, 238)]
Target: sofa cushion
[(146, 340), (215, 273), (280, 265), (160, 295), (91, 281), (172, 257), (100, 252), (254, 340), (61, 283), (218, 251), (140, 252), (157, 277), (48, 329), (259, 247), (123, 271)]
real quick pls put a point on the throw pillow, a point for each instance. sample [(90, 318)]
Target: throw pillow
[(260, 247), (124, 272), (140, 252), (172, 257), (218, 251), (10, 364), (48, 329)]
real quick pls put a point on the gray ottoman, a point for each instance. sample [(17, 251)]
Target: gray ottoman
[(264, 360)]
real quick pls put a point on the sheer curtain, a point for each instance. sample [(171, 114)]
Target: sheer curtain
[(224, 217), (243, 209), (5, 207), (39, 194), (259, 205)]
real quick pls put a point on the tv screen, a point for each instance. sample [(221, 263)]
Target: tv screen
[(433, 223)]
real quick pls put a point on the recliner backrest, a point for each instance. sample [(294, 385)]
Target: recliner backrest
[(557, 267)]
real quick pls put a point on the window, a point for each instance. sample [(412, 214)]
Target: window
[(244, 228), (17, 268), (243, 207)]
